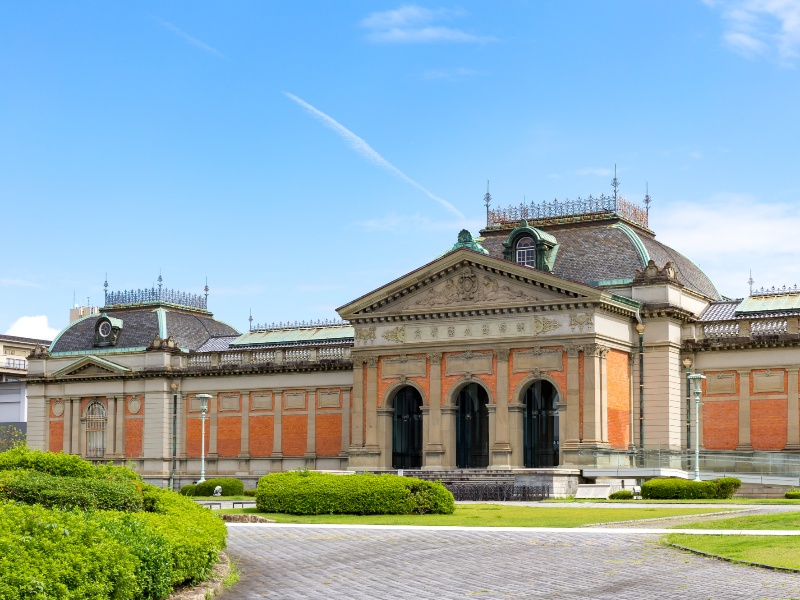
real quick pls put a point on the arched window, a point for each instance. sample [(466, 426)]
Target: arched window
[(95, 429), (526, 251)]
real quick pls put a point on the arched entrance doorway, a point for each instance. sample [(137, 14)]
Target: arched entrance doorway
[(541, 425), (472, 428), (407, 429)]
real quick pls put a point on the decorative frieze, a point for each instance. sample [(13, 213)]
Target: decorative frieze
[(768, 381), (545, 359), (435, 358), (721, 383), (468, 362), (580, 321), (408, 366), (365, 335), (396, 334), (543, 325)]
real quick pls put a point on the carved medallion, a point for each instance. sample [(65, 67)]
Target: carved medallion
[(543, 325), (398, 334), (58, 408), (581, 320), (134, 405), (365, 334)]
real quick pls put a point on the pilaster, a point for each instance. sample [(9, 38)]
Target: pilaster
[(744, 411), (277, 426), (500, 447), (793, 414), (311, 435), (434, 449), (572, 417)]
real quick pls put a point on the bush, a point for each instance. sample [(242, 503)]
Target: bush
[(250, 493), (230, 487), (621, 495), (793, 495), (309, 493), (194, 535), (61, 554), (727, 486), (683, 489), (32, 487), (188, 490), (62, 465)]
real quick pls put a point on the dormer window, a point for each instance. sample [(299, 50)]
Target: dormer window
[(526, 251)]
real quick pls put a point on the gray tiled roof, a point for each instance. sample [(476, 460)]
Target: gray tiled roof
[(595, 251), (720, 311), (140, 327), (23, 340), (217, 344)]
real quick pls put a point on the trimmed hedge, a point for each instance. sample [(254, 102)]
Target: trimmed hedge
[(684, 489), (62, 465), (230, 487), (188, 490), (310, 493), (621, 495), (32, 487), (792, 495)]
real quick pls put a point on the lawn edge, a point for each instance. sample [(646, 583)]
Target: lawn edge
[(737, 561)]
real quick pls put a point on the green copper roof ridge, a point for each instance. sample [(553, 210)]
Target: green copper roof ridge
[(63, 331), (99, 351), (644, 255), (162, 322)]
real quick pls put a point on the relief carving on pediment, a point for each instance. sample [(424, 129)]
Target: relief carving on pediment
[(468, 288)]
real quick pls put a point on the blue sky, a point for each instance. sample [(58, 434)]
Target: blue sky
[(300, 154)]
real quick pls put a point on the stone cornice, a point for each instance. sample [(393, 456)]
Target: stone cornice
[(742, 343), (655, 311)]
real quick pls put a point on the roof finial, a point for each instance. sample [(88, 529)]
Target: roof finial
[(250, 318), (647, 198), (105, 290), (615, 183), (487, 199), (751, 282), (160, 280), (205, 289)]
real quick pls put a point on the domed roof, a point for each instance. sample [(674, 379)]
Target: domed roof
[(604, 251), (139, 326)]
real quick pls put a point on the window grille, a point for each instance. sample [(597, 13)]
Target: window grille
[(95, 429)]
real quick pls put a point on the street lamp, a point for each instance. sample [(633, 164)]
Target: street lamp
[(687, 363), (697, 385), (204, 398)]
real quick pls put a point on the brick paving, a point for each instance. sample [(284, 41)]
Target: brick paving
[(420, 563)]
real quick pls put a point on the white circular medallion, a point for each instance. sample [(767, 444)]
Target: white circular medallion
[(58, 408), (134, 404)]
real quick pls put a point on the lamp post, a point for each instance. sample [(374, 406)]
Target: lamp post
[(204, 398), (687, 363), (697, 384)]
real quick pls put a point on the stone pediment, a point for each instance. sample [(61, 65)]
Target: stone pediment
[(91, 366), (468, 280)]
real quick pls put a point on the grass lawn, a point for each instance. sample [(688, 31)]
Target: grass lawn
[(728, 501), (494, 515), (775, 551)]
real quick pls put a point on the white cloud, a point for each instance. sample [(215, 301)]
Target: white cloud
[(761, 27), (368, 152), (413, 24), (191, 40), (729, 234), (36, 327)]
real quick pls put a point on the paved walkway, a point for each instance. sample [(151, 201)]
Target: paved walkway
[(357, 562)]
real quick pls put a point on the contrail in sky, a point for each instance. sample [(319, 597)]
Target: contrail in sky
[(367, 151)]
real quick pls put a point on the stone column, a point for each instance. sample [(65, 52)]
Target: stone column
[(119, 428), (311, 431), (592, 395), (744, 411), (111, 419), (603, 352), (500, 448), (793, 414), (244, 449), (572, 436), (434, 451), (385, 416), (516, 414), (371, 405), (357, 430), (449, 413), (277, 426), (213, 410), (492, 410)]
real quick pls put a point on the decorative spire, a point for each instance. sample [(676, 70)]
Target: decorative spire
[(647, 199), (487, 199), (615, 182), (105, 290), (250, 318), (160, 280), (205, 289), (750, 282)]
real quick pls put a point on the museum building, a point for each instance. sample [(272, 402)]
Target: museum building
[(561, 337)]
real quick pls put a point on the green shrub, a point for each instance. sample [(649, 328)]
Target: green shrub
[(683, 489), (793, 495), (193, 535), (189, 489), (62, 465), (61, 554), (621, 495), (727, 486), (250, 493), (230, 487), (32, 487), (309, 493)]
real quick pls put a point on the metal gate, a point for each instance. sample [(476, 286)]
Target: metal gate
[(541, 425), (472, 428)]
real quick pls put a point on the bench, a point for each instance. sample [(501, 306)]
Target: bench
[(242, 503)]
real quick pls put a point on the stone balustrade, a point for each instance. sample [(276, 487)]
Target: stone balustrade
[(749, 328), (269, 356)]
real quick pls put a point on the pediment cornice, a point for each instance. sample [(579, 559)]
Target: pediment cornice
[(91, 366)]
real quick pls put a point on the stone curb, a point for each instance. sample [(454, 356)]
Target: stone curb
[(206, 589), (734, 560)]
